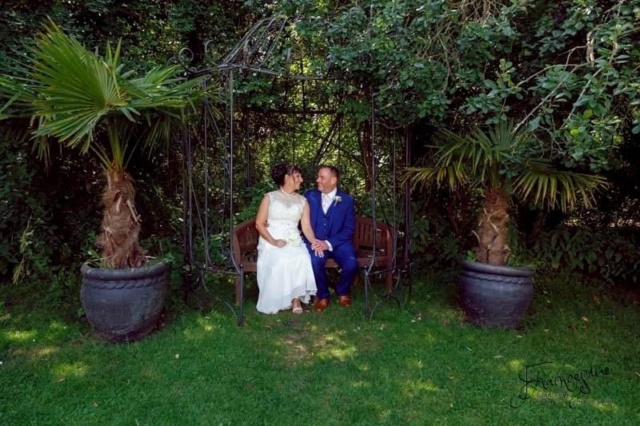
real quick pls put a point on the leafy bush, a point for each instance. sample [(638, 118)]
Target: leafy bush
[(612, 255), (45, 219), (17, 199), (441, 225)]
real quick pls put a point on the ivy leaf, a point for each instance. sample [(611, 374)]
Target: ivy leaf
[(490, 84), (534, 124)]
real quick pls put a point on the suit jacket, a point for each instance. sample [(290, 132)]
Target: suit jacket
[(338, 224)]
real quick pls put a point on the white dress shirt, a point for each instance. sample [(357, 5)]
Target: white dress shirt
[(327, 199)]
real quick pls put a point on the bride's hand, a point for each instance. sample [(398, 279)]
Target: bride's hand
[(280, 243), (318, 251)]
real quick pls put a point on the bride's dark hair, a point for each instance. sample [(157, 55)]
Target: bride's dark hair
[(279, 171)]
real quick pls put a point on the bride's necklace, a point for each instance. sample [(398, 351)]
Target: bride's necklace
[(287, 193)]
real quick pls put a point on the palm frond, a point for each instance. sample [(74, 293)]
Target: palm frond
[(548, 187), (479, 151), (16, 97), (450, 175), (70, 93), (494, 159), (102, 155), (76, 87)]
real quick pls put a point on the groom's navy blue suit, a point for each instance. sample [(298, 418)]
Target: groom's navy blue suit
[(336, 226)]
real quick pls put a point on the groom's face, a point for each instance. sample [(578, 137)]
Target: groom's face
[(326, 181)]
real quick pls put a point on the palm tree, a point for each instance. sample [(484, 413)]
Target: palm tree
[(89, 102), (504, 161)]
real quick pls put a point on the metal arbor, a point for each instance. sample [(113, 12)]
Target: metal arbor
[(267, 48)]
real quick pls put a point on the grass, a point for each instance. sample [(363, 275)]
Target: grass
[(420, 365)]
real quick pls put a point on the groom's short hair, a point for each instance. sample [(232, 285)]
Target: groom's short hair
[(334, 170)]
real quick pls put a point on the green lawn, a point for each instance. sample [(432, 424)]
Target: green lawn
[(420, 365)]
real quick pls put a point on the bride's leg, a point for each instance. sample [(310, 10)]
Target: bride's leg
[(297, 307)]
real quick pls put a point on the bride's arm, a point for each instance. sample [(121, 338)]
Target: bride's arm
[(307, 230), (261, 223)]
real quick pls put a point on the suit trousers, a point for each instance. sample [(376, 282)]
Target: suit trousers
[(345, 257)]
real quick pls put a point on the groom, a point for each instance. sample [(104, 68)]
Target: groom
[(333, 220)]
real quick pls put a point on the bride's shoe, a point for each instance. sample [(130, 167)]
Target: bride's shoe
[(297, 309)]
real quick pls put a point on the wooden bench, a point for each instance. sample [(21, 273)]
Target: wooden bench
[(245, 252)]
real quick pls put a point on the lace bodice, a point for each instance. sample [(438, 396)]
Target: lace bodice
[(285, 210)]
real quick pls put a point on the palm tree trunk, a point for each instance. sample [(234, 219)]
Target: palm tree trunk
[(119, 238), (492, 228)]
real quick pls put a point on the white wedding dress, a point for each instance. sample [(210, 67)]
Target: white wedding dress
[(284, 273)]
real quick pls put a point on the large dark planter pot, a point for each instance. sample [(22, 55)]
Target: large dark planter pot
[(495, 296), (124, 304)]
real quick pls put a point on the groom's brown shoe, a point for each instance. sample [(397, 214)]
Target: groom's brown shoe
[(345, 300), (321, 304)]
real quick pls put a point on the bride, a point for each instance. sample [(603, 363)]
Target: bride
[(285, 275)]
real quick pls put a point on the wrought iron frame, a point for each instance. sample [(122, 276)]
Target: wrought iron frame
[(252, 54)]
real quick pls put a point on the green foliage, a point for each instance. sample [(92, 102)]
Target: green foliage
[(170, 249), (16, 199), (36, 243), (46, 258), (611, 255), (152, 31), (470, 255), (433, 245), (519, 253), (255, 194), (564, 70)]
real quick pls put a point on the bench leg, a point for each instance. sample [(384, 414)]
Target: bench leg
[(389, 282)]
